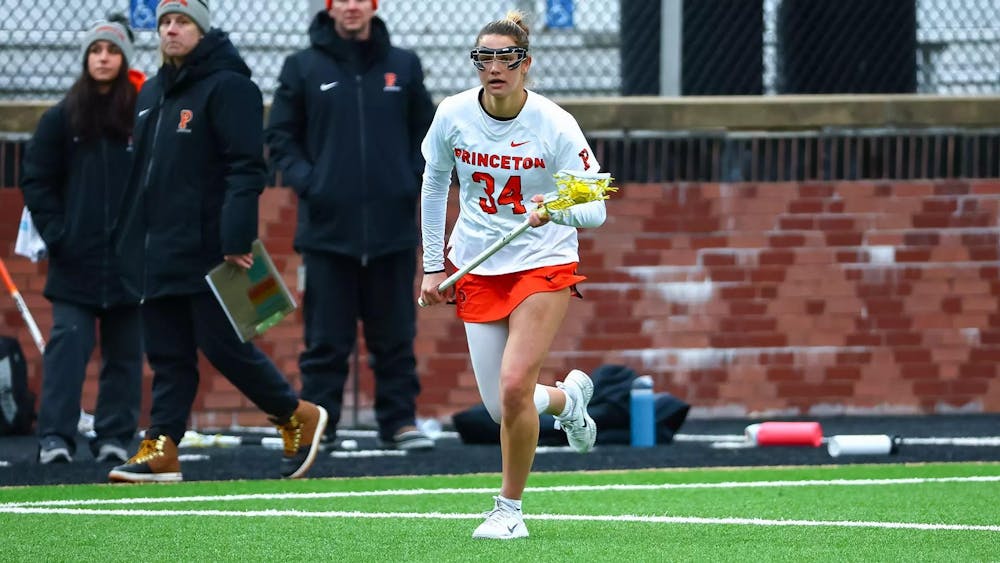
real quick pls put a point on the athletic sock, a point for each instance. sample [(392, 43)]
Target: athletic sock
[(568, 408), (510, 503), (541, 399)]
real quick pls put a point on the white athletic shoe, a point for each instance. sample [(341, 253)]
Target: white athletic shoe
[(502, 523), (579, 427), (54, 455), (112, 452)]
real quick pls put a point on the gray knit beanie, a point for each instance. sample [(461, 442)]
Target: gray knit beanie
[(197, 10), (113, 32)]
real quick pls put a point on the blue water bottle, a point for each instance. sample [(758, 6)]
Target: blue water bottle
[(643, 416)]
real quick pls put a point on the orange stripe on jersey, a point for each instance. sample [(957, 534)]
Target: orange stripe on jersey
[(483, 299)]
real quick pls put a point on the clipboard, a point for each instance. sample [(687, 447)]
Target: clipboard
[(254, 300)]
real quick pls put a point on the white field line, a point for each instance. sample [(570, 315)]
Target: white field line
[(367, 453), (4, 507), (273, 431), (709, 437), (982, 441), (476, 516)]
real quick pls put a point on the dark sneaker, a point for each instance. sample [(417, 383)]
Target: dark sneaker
[(329, 443), (109, 451), (155, 462), (301, 435), (408, 440), (53, 449)]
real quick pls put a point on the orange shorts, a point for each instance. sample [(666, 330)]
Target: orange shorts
[(482, 299)]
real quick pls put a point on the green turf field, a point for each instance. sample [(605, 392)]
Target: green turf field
[(934, 512)]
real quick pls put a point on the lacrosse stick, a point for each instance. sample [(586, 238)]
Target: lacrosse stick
[(22, 307), (573, 187)]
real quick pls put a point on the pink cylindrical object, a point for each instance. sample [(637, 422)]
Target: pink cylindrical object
[(790, 434)]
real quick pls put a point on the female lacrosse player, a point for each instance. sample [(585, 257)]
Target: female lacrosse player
[(506, 142), (75, 174)]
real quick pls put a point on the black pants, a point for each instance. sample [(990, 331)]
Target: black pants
[(339, 291), (175, 328), (119, 393)]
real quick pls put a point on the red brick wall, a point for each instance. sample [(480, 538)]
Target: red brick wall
[(846, 297)]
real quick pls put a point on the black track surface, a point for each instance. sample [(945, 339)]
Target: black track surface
[(18, 466)]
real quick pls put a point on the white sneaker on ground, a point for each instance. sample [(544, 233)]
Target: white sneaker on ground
[(58, 454), (409, 440), (502, 523), (52, 449), (112, 452), (581, 432)]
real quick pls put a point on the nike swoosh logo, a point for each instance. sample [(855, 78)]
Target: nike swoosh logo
[(512, 528), (550, 277), (144, 112), (515, 145), (327, 85)]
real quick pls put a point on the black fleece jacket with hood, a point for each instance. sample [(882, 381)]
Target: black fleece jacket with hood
[(74, 188), (345, 130), (198, 174)]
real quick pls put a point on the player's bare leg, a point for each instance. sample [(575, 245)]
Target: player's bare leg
[(533, 326)]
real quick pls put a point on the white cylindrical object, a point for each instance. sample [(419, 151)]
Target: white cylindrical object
[(861, 444), (227, 441), (272, 443), (750, 433)]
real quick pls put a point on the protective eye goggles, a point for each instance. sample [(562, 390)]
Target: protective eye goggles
[(512, 57)]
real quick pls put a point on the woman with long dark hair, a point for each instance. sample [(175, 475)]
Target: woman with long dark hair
[(75, 173)]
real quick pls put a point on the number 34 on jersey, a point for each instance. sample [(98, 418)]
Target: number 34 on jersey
[(513, 172)]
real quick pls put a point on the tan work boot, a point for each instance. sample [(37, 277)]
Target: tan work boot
[(155, 462), (301, 435)]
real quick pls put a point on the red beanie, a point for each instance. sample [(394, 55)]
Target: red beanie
[(329, 3)]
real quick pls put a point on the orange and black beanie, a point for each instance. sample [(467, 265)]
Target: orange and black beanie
[(113, 32), (197, 10)]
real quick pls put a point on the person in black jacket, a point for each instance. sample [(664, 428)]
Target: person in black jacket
[(75, 170), (198, 174), (345, 129)]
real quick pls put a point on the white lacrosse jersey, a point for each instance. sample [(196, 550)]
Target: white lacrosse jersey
[(501, 164)]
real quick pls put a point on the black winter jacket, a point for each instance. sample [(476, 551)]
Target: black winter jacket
[(198, 173), (74, 189), (345, 130)]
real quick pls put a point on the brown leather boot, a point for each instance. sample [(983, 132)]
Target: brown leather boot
[(155, 462), (301, 434)]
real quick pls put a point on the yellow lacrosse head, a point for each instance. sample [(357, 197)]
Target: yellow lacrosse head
[(578, 186)]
